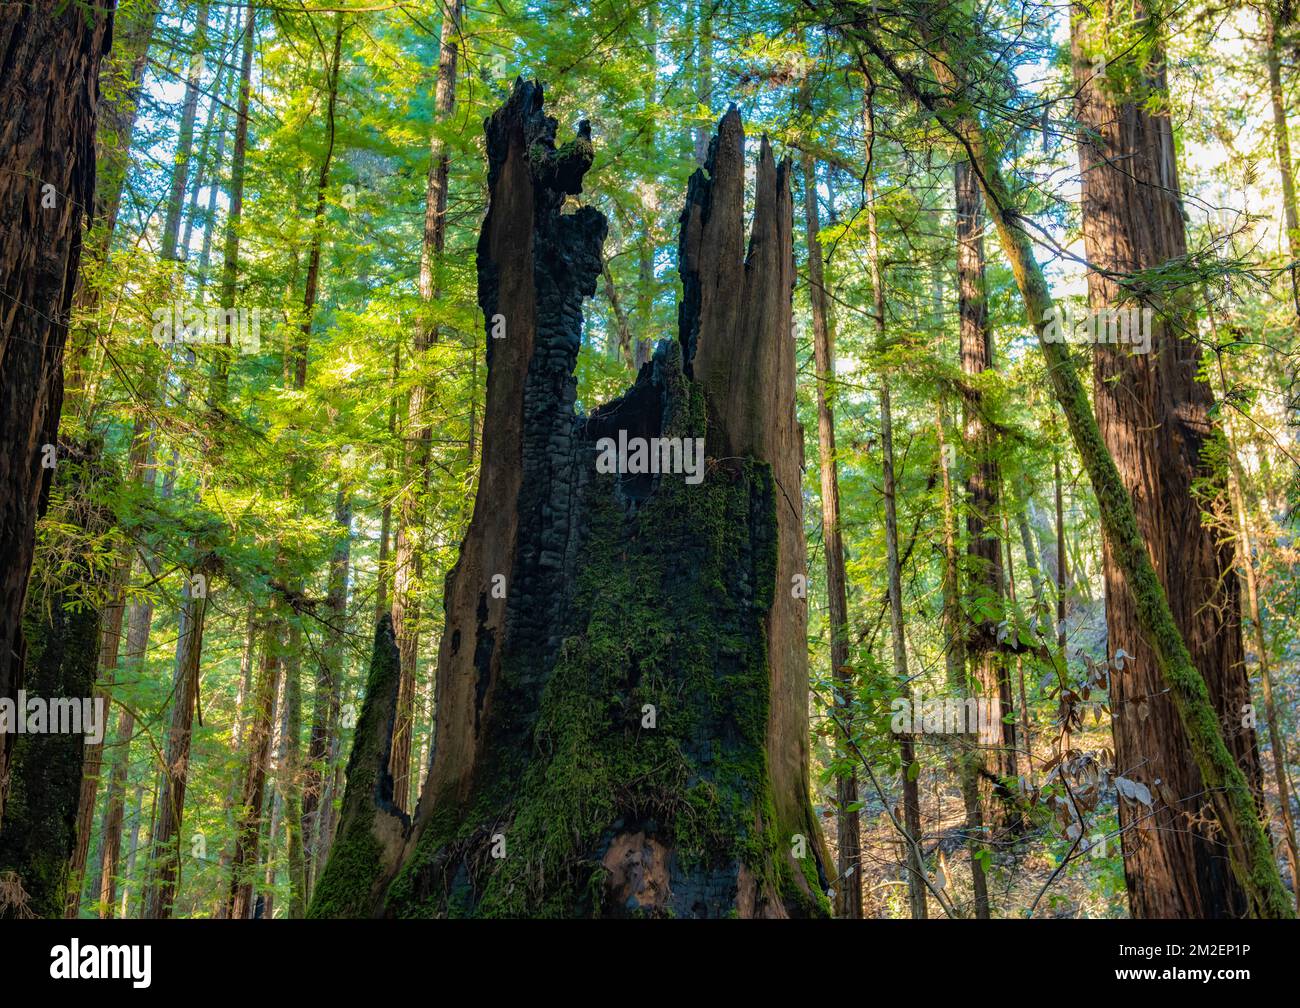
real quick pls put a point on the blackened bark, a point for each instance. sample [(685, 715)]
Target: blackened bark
[(49, 71), (621, 724)]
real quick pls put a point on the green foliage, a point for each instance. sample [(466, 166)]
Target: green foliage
[(248, 491)]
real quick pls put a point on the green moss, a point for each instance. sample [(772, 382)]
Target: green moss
[(671, 600), (350, 885), (345, 887), (61, 625)]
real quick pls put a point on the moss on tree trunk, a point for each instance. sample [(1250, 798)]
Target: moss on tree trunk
[(621, 712), (62, 628)]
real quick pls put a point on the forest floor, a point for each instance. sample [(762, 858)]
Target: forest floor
[(1022, 874)]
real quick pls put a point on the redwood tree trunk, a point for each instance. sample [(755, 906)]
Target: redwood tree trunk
[(408, 560), (621, 722), (49, 86), (253, 788), (1154, 416), (983, 548), (848, 886), (40, 834), (174, 777)]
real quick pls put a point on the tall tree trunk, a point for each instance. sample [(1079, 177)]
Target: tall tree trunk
[(601, 748), (317, 793), (291, 779), (1154, 414), (137, 636), (214, 188), (248, 810), (1231, 793), (166, 840), (120, 82), (185, 136), (1024, 736), (1061, 572), (984, 601), (218, 389), (1282, 145), (1246, 557), (132, 848), (968, 759), (703, 75), (110, 636), (383, 565), (647, 195), (1022, 503), (213, 126), (49, 89), (408, 556), (139, 624), (248, 824), (911, 768), (109, 650), (372, 829), (119, 106), (1280, 775), (39, 835), (848, 887)]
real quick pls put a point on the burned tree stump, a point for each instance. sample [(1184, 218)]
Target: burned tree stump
[(622, 678)]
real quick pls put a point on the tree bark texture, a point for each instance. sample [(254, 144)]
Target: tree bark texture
[(1154, 415), (49, 89), (622, 678), (62, 625)]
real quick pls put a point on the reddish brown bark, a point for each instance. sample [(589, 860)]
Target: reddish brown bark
[(983, 547), (848, 887), (249, 821), (1154, 416)]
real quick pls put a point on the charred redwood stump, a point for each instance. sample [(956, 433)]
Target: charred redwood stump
[(622, 678)]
